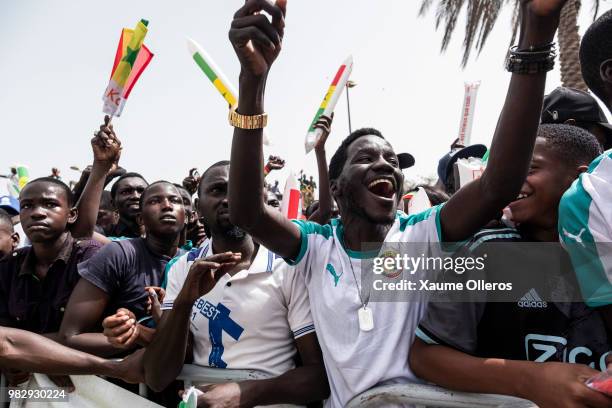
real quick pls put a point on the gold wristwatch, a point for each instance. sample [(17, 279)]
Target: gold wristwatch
[(246, 121)]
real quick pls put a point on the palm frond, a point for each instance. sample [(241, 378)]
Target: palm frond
[(490, 13), (448, 11), (595, 9), (481, 16), (425, 7), (515, 21), (473, 22)]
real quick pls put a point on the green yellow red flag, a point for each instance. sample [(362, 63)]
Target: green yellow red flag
[(131, 58)]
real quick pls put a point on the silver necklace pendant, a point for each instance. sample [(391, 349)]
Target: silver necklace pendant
[(366, 319)]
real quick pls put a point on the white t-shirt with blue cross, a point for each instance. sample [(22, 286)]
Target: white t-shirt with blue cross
[(248, 321), (585, 230), (356, 360)]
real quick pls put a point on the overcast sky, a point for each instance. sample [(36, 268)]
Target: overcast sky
[(57, 56)]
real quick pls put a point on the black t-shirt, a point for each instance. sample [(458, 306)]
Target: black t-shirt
[(527, 329), (123, 230), (122, 269)]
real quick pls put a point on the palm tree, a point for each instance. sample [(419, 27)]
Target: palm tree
[(482, 15)]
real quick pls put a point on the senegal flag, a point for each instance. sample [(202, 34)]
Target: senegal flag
[(131, 58)]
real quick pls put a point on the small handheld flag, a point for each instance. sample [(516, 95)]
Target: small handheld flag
[(329, 101), (467, 112), (216, 76), (131, 58), (23, 175), (213, 72), (291, 205)]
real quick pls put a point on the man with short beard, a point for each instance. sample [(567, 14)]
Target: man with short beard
[(366, 344), (237, 306)]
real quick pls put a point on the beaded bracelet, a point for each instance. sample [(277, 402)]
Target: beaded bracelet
[(532, 61)]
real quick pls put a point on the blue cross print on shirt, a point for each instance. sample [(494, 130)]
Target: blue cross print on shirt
[(219, 321)]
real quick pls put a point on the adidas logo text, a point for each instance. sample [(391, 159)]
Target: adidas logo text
[(533, 300)]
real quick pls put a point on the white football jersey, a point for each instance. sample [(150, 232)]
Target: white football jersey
[(357, 360)]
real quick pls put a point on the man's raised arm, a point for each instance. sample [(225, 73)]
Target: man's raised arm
[(161, 367), (107, 150), (324, 212), (257, 43), (512, 147)]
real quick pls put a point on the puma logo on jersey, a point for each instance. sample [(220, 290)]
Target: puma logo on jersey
[(576, 238), (331, 270)]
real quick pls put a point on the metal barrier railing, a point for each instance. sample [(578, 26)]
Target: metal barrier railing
[(192, 373), (197, 374), (432, 396), (418, 394)]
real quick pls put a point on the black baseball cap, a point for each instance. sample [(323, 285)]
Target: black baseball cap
[(445, 165), (564, 104), (406, 160)]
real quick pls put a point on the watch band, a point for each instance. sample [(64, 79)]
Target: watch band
[(246, 121)]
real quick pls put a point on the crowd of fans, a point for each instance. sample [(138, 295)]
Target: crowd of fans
[(135, 281)]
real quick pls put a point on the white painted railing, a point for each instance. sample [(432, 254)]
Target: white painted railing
[(432, 396), (419, 395), (198, 374)]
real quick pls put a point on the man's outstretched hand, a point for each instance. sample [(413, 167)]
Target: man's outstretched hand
[(191, 181), (256, 40), (204, 274), (155, 297), (275, 163), (560, 385), (121, 329)]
